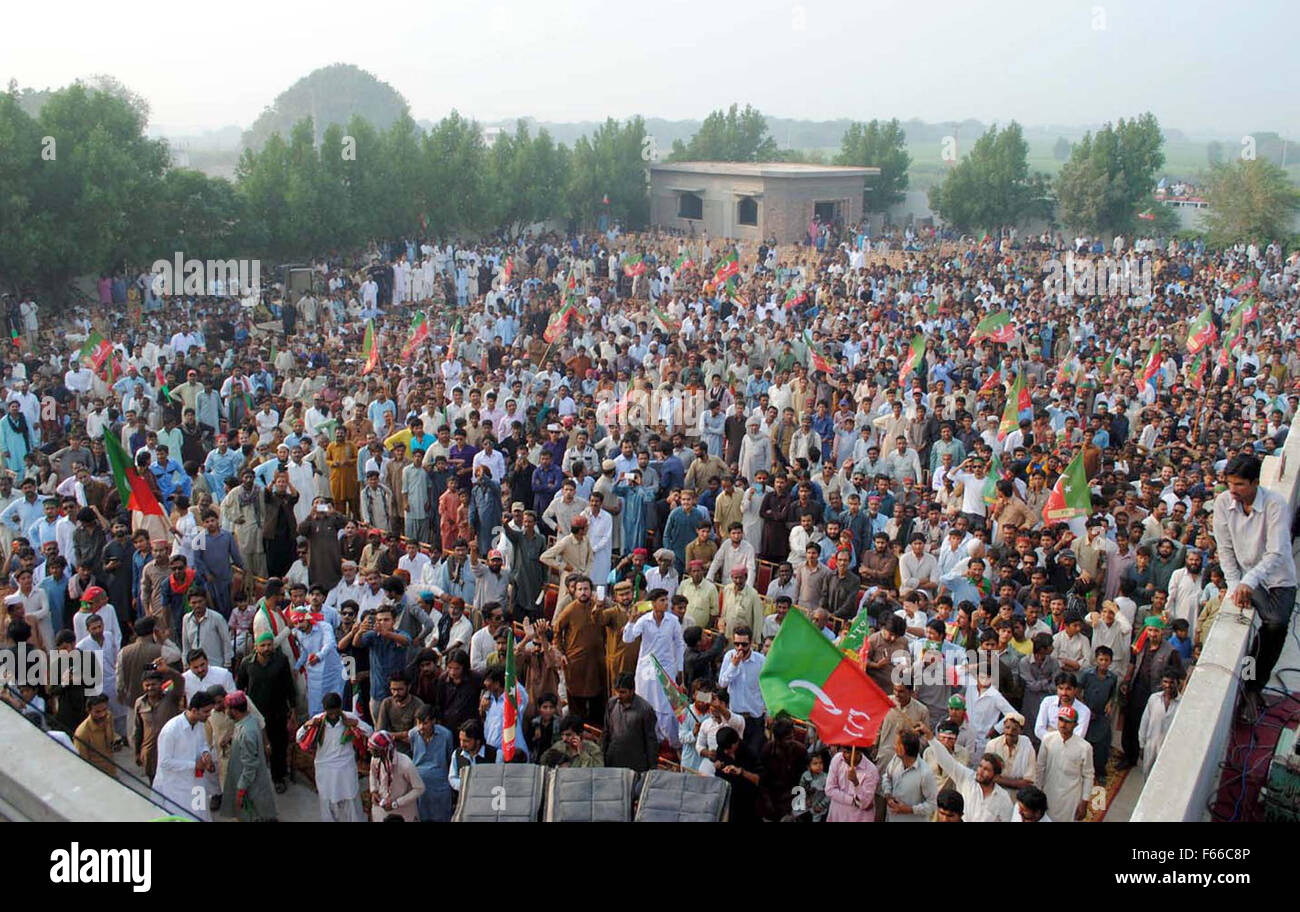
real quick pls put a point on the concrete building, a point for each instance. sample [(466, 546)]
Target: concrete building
[(754, 200)]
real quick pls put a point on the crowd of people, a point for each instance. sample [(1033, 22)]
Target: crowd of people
[(623, 460)]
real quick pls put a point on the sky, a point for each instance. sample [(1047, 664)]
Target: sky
[(1202, 66)]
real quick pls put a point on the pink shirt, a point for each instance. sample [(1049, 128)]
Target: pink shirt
[(842, 792)]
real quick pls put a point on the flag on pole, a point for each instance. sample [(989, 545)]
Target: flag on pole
[(682, 262), (853, 639), (559, 320), (991, 481), (676, 696), (419, 332), (806, 676), (131, 486), (668, 323), (634, 266), (816, 359), (1011, 411), (996, 326), (1152, 366), (913, 356), (1201, 333), (509, 268), (1070, 497), (728, 266), (1197, 371), (994, 381), (510, 712), (95, 350), (1245, 286), (795, 296), (1108, 366), (369, 349)]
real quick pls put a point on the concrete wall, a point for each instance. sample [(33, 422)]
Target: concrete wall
[(785, 204), (41, 780), (1186, 774)]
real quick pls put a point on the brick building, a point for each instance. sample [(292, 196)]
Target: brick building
[(754, 200)]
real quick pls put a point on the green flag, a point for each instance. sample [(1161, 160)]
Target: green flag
[(1071, 497)]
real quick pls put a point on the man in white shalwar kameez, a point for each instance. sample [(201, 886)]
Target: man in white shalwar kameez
[(661, 638), (1065, 772), (184, 757), (600, 532), (337, 784), (1157, 718)]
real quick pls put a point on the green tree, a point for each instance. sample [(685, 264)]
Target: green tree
[(1109, 175), (731, 135), (1214, 152), (1250, 201), (880, 145), (609, 164), (1061, 151), (456, 172), (992, 186), (329, 95), (200, 216)]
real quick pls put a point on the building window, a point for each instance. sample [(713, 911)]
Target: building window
[(747, 211), (690, 206)]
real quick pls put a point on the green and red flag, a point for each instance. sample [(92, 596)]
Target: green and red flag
[(559, 320), (684, 261), (668, 323), (131, 486), (1011, 411), (1108, 366), (1201, 333), (807, 677), (509, 269), (419, 332), (634, 266), (1071, 496), (1245, 286), (795, 296), (95, 350), (991, 480), (993, 382), (728, 266), (510, 712), (1152, 366), (855, 637), (369, 349), (914, 356), (16, 339), (112, 369), (996, 326), (1197, 371), (676, 696), (816, 359)]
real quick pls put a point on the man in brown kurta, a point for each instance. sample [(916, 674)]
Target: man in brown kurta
[(153, 580), (324, 555), (580, 639), (619, 656), (164, 691)]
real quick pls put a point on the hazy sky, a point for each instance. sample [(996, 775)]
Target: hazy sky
[(1200, 65)]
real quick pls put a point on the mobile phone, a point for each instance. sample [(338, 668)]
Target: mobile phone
[(600, 593)]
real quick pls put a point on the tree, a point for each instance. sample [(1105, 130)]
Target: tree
[(1250, 201), (1061, 151), (1214, 152), (609, 164), (456, 175), (878, 145), (991, 187), (1109, 175), (733, 135), (329, 95)]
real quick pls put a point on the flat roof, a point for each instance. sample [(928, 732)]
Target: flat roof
[(764, 169)]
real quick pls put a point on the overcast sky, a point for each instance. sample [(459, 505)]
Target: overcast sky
[(1200, 65)]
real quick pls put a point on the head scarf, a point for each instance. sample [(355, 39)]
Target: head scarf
[(382, 743)]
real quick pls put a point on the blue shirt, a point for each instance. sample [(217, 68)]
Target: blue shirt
[(56, 593), (386, 657), (494, 720)]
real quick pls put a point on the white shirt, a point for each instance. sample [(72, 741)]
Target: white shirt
[(741, 682), (995, 807), (1047, 710), (336, 760), (216, 675), (1254, 550), (180, 745)]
